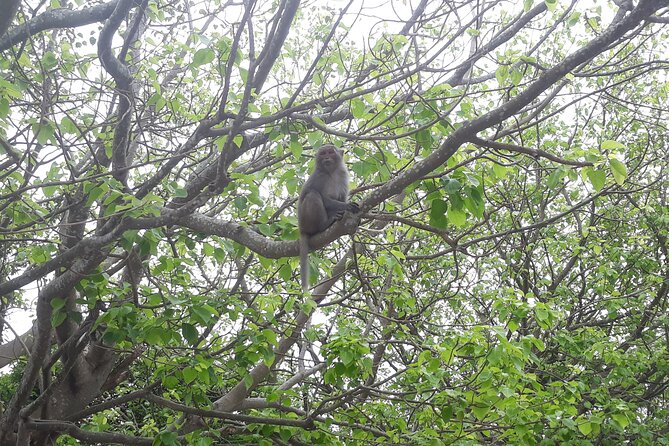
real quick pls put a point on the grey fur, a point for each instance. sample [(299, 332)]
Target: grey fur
[(323, 200)]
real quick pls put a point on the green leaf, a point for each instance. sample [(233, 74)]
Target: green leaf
[(8, 89), (240, 203), (502, 74), (573, 18), (499, 170), (474, 201), (480, 412), (206, 376), (366, 167), (189, 374), (68, 126), (180, 192), (219, 255), (457, 217), (268, 357), (244, 74), (527, 5), (621, 419), (203, 56), (619, 171), (203, 314), (346, 356), (270, 336), (4, 107), (265, 229), (113, 336), (610, 144), (541, 313), (207, 249), (424, 138), (166, 439), (96, 193), (220, 143), (512, 325), (296, 149), (597, 178), (44, 133), (285, 434), (538, 343), (555, 179), (190, 333), (451, 186), (170, 382), (358, 108), (315, 139), (58, 318), (438, 209), (154, 336), (286, 272), (49, 191), (585, 428), (309, 306), (446, 413), (57, 303), (49, 60)]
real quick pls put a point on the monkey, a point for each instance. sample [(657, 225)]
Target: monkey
[(322, 201)]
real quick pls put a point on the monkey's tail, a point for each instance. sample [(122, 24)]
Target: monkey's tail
[(304, 261)]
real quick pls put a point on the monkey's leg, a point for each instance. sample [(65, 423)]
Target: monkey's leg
[(311, 213)]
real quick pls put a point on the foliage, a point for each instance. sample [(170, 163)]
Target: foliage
[(505, 283)]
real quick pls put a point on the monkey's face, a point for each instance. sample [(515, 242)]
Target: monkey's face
[(328, 157)]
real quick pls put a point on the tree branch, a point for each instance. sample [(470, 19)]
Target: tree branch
[(56, 18), (274, 43), (19, 346), (10, 7), (469, 130), (537, 153), (71, 429)]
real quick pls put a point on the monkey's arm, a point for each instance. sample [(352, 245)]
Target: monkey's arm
[(339, 206)]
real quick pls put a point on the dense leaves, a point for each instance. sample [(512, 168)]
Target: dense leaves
[(505, 283)]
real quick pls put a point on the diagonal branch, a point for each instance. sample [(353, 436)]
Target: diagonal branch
[(11, 8), (537, 153), (272, 49), (469, 130)]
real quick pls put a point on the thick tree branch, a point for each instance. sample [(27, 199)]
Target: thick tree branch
[(274, 43), (257, 242), (71, 429), (57, 18), (121, 74), (14, 349), (10, 7), (226, 415)]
